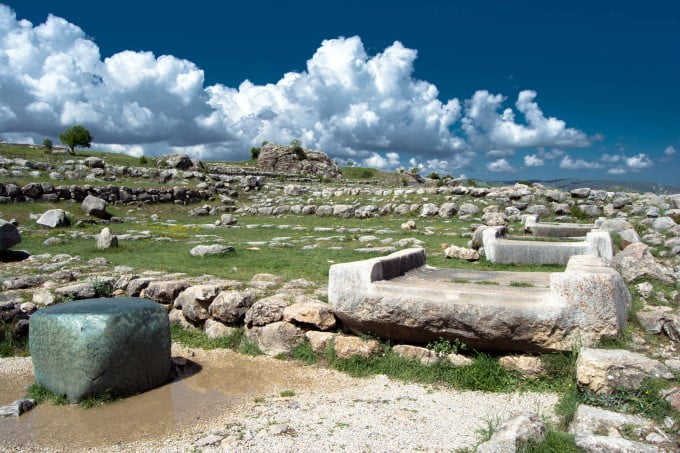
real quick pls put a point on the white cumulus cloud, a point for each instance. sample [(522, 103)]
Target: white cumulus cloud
[(639, 162), (346, 102), (617, 171), (500, 166), (670, 151), (485, 126), (531, 160), (389, 161), (568, 163)]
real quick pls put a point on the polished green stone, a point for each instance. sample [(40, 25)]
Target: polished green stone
[(85, 348)]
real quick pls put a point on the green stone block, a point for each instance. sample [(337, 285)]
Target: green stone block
[(85, 348)]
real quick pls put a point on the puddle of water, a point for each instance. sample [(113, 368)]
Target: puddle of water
[(225, 381)]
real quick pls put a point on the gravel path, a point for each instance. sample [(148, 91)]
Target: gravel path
[(337, 413)]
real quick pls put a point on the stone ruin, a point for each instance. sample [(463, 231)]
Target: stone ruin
[(291, 159), (503, 249), (399, 297)]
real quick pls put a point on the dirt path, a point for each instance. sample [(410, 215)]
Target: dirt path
[(234, 402)]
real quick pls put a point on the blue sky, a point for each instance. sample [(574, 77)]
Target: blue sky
[(469, 88)]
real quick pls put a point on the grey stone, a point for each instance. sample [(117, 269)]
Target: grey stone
[(106, 240), (288, 159), (23, 282), (164, 292), (604, 370), (77, 291), (215, 329), (592, 443), (315, 314), (613, 225), (9, 235), (54, 218), (95, 207), (590, 210), (423, 355), (231, 306), (228, 219), (514, 434), (591, 420), (663, 223), (86, 348), (266, 311), (468, 209), (582, 192), (276, 338), (636, 261), (214, 249), (17, 408), (461, 253), (94, 162)]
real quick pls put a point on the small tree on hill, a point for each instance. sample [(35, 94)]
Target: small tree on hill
[(296, 146), (47, 144), (76, 136), (255, 152)]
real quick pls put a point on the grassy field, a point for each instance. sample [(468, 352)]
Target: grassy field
[(282, 252)]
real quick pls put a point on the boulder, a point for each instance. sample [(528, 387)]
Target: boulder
[(291, 159), (408, 225), (179, 161), (315, 314), (495, 219), (231, 306), (592, 443), (215, 329), (76, 291), (613, 225), (9, 235), (96, 207), (663, 223), (319, 341), (591, 420), (429, 210), (54, 218), (604, 370), (528, 366), (94, 162), (423, 355), (590, 210), (514, 434), (86, 348), (636, 261), (447, 210), (581, 192), (164, 292), (23, 282), (461, 253), (276, 338), (468, 209), (195, 300), (348, 346), (213, 249), (106, 240), (266, 311)]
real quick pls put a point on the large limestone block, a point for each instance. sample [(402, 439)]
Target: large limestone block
[(398, 298), (592, 443), (9, 235), (589, 419), (89, 347), (316, 314), (604, 370)]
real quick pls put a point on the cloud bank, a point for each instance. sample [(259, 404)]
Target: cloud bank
[(368, 108)]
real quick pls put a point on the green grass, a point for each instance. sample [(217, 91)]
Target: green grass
[(555, 441), (303, 353), (645, 401), (287, 394), (11, 345), (38, 155), (198, 339), (517, 284), (41, 395)]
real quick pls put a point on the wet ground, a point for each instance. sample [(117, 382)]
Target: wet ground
[(226, 380)]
